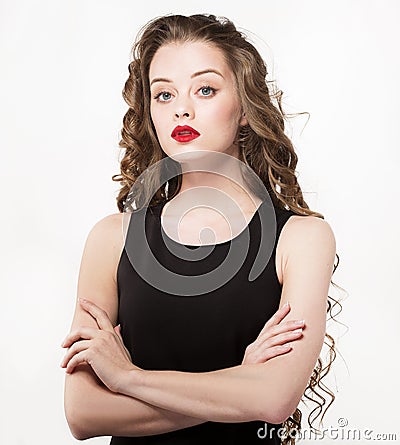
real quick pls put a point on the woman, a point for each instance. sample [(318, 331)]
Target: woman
[(200, 360)]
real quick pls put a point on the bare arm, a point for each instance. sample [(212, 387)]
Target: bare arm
[(91, 409), (267, 391)]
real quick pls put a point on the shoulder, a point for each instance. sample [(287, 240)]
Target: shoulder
[(307, 228), (301, 237), (307, 235), (108, 229), (299, 226), (108, 222), (106, 238)]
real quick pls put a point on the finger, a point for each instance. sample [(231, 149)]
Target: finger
[(279, 329), (117, 330), (269, 353), (83, 332), (279, 315), (98, 314), (261, 355), (280, 339), (76, 360), (74, 349)]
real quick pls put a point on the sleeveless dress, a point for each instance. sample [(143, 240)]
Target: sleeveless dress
[(196, 333)]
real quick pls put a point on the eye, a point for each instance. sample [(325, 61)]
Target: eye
[(163, 96), (207, 91)]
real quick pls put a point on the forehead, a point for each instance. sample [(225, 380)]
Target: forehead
[(184, 59)]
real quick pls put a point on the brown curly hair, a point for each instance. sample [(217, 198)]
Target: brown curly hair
[(264, 147)]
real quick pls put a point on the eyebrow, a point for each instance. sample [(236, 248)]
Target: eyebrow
[(197, 73)]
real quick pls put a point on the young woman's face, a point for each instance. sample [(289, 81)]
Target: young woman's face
[(194, 103)]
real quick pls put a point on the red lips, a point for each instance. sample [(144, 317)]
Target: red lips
[(184, 133)]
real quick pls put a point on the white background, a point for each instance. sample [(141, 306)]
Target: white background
[(63, 66)]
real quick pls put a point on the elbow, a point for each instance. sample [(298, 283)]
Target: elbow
[(77, 425), (79, 434), (277, 416), (278, 412)]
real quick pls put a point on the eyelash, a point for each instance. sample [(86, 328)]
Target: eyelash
[(213, 91)]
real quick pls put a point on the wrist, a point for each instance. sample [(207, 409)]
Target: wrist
[(131, 380)]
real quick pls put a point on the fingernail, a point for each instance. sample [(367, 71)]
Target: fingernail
[(297, 331), (286, 304), (82, 300), (299, 322)]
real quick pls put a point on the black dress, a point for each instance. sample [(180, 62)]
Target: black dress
[(199, 332)]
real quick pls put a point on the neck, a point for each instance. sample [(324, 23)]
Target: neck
[(215, 178)]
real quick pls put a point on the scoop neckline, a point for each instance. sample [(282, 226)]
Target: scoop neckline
[(192, 246)]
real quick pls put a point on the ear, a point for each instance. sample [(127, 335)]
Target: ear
[(243, 120)]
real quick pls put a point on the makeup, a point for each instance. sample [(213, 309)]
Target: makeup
[(184, 133)]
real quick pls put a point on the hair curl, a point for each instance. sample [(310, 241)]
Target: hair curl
[(264, 146)]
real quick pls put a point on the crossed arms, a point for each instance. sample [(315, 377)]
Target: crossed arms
[(154, 402)]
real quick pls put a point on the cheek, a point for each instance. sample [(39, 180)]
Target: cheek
[(161, 127), (226, 115), (157, 118), (153, 116)]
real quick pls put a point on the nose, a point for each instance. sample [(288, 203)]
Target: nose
[(183, 108), (179, 114)]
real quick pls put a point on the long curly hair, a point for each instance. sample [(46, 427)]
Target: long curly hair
[(264, 147)]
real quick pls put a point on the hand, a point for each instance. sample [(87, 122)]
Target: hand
[(274, 337), (117, 329), (103, 349)]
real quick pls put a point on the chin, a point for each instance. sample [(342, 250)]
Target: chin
[(188, 152)]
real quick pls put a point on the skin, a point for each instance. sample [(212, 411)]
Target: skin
[(201, 93), (91, 408), (103, 348), (106, 394), (269, 390)]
